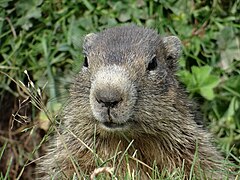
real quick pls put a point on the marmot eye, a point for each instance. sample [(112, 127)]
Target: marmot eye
[(85, 63), (152, 65)]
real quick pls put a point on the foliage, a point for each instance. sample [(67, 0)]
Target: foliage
[(44, 38)]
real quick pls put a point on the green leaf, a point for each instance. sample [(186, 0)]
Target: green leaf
[(124, 16), (207, 93), (4, 3), (200, 81), (201, 73), (28, 10), (233, 107)]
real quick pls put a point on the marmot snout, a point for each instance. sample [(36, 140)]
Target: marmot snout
[(112, 97)]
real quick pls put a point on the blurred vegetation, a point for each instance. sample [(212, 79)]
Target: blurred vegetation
[(44, 38)]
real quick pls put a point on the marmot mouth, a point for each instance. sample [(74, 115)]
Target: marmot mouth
[(113, 125)]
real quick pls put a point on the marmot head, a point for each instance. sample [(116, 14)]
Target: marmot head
[(130, 70)]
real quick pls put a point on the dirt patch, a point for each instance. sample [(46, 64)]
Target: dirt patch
[(20, 135)]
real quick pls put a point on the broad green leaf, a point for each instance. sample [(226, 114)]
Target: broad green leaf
[(200, 81), (207, 93), (201, 73)]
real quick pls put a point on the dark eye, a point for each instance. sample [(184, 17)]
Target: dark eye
[(152, 65), (85, 63)]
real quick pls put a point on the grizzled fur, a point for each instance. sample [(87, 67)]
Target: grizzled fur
[(126, 92)]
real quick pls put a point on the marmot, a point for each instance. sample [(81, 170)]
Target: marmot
[(127, 99)]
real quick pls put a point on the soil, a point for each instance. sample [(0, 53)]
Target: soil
[(21, 135)]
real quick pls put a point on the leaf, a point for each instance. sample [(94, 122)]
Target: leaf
[(124, 16), (211, 81), (207, 93), (44, 122), (200, 81), (88, 5), (28, 10), (201, 74), (185, 76), (4, 3), (233, 107), (229, 45)]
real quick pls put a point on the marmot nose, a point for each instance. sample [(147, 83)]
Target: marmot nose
[(109, 100)]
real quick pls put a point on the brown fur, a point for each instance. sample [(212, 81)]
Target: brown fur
[(149, 108)]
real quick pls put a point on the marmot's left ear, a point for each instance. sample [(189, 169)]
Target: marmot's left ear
[(88, 40), (172, 45)]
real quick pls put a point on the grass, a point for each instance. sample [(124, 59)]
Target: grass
[(44, 38)]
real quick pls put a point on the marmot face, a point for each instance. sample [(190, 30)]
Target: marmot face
[(128, 70)]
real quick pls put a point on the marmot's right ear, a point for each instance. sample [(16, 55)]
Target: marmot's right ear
[(173, 47), (88, 40)]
